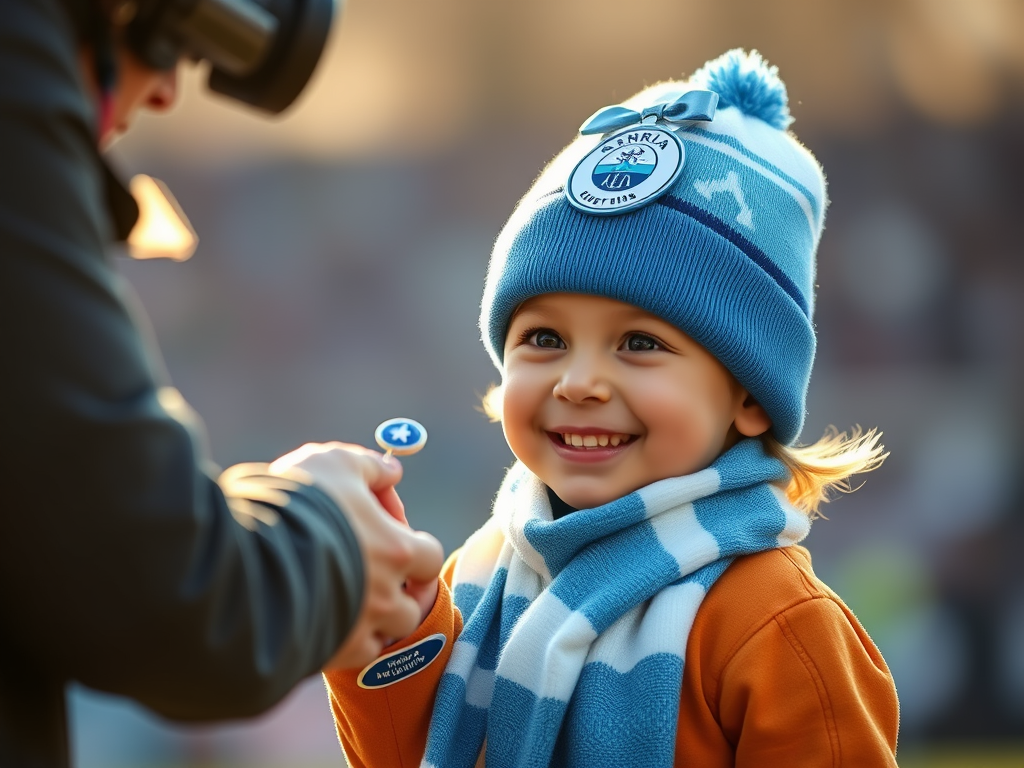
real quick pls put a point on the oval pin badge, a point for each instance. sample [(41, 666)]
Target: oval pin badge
[(402, 664)]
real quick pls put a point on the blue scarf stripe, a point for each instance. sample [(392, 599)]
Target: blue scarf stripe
[(507, 739), (709, 574), (575, 647), (560, 540), (746, 464), (511, 609), (489, 649), (716, 514), (475, 624), (574, 586), (472, 726), (610, 702), (467, 597)]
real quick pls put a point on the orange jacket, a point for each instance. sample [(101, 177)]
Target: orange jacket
[(778, 672)]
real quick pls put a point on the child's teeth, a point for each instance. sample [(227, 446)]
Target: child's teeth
[(594, 441)]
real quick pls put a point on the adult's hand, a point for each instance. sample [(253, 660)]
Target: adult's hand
[(362, 483), (423, 592)]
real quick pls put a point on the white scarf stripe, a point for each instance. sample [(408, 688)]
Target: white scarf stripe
[(524, 581), (676, 490), (480, 688), (534, 506), (548, 643), (797, 524), (481, 555), (463, 659), (662, 626), (685, 538)]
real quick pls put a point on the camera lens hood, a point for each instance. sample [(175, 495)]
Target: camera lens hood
[(277, 81), (261, 52)]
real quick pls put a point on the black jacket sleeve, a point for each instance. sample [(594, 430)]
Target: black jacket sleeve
[(123, 563)]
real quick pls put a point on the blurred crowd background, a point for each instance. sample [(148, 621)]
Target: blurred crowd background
[(343, 248)]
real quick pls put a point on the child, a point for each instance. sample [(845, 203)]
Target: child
[(638, 596)]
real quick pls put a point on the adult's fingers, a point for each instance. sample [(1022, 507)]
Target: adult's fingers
[(426, 556), (362, 482), (335, 463), (390, 500), (391, 470), (425, 595), (400, 620), (381, 473)]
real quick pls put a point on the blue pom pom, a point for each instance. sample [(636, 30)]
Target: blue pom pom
[(745, 81)]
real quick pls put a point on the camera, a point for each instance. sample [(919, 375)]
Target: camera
[(261, 52)]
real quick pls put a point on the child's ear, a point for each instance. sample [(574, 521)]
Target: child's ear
[(751, 419)]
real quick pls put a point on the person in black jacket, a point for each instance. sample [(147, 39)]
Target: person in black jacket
[(124, 563)]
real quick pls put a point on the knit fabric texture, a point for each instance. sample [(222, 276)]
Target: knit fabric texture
[(727, 254), (575, 629)]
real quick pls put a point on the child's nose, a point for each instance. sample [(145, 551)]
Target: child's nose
[(583, 381)]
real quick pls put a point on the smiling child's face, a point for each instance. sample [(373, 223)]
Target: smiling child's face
[(602, 398)]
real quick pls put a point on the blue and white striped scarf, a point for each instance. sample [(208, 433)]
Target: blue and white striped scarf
[(575, 629)]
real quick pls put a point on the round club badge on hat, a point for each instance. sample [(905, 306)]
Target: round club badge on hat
[(635, 166), (626, 171), (401, 437)]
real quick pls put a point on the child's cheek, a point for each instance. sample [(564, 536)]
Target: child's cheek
[(520, 410), (685, 428)]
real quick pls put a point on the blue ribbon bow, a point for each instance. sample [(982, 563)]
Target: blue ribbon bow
[(692, 105)]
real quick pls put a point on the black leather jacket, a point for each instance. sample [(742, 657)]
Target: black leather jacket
[(123, 564)]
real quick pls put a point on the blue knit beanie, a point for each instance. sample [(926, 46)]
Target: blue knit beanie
[(725, 252)]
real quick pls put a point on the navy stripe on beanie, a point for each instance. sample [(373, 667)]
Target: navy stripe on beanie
[(755, 254)]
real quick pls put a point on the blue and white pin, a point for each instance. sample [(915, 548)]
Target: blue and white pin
[(401, 437), (636, 166)]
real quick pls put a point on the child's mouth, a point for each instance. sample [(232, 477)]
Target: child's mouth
[(591, 442)]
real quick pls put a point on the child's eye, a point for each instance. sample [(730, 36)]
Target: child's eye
[(640, 342), (547, 339)]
